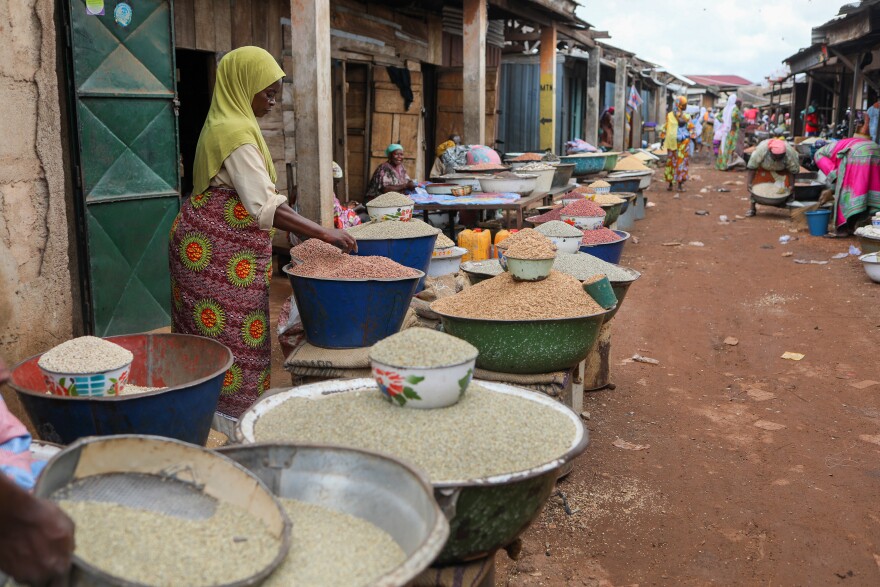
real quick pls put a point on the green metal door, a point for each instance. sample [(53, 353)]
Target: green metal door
[(126, 156)]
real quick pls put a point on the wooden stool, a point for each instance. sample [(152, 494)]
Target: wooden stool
[(597, 371)]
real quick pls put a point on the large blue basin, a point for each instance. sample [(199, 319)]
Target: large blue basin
[(609, 252), (411, 252), (351, 313), (191, 367), (585, 165), (623, 184)]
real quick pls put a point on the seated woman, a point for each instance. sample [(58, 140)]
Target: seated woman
[(854, 166), (390, 176), (773, 160)]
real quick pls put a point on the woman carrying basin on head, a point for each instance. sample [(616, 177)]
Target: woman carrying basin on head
[(220, 250)]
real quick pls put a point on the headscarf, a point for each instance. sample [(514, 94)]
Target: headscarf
[(443, 147), (776, 146), (726, 119), (393, 147), (241, 74), (337, 171), (682, 102)]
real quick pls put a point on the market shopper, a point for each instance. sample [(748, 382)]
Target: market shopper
[(811, 120), (853, 165), (606, 129), (773, 161), (390, 176), (677, 135), (36, 537), (729, 133), (220, 251)]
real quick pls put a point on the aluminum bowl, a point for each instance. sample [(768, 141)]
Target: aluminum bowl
[(871, 263), (522, 185)]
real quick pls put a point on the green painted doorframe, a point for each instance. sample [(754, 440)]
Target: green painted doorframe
[(125, 151)]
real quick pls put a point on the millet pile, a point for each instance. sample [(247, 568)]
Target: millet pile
[(422, 347), (390, 200), (86, 354), (392, 230), (559, 229)]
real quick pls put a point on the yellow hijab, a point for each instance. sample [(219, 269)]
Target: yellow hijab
[(231, 123)]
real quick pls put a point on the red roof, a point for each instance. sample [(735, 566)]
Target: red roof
[(720, 80)]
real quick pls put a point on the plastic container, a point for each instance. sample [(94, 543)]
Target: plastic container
[(351, 313), (817, 221), (500, 237), (446, 264), (609, 252), (477, 242)]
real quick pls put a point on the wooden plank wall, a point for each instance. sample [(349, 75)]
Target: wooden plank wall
[(392, 123), (450, 107)]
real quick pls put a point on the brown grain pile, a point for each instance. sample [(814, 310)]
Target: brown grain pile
[(605, 199), (630, 164), (502, 298), (554, 214), (528, 157), (443, 242), (320, 259), (528, 243)]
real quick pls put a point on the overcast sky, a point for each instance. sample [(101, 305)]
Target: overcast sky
[(749, 38)]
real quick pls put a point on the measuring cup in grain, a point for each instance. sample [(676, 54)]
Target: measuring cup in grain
[(87, 366), (422, 368)]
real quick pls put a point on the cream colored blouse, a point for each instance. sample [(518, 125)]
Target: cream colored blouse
[(245, 172)]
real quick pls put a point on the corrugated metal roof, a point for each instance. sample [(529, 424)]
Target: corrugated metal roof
[(719, 80)]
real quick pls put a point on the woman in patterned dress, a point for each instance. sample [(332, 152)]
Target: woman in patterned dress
[(730, 134), (220, 250), (678, 136)]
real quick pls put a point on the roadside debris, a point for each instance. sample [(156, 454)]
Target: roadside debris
[(648, 360), (731, 341), (620, 443), (792, 356)]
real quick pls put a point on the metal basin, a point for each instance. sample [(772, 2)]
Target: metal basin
[(624, 184), (608, 252), (162, 475), (612, 213), (610, 161), (620, 290), (527, 346), (645, 177), (410, 252), (351, 313), (382, 490), (484, 514), (776, 201), (809, 191), (191, 367), (563, 174)]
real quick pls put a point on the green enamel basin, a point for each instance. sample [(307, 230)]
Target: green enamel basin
[(612, 213), (620, 288), (528, 346)]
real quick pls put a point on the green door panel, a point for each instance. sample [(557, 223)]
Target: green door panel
[(129, 243), (123, 79)]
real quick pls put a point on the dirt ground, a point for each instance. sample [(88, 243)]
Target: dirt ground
[(755, 470)]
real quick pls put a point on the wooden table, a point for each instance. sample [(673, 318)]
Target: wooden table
[(516, 207)]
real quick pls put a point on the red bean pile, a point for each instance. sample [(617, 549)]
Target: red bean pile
[(555, 214), (600, 236), (320, 259), (583, 208)]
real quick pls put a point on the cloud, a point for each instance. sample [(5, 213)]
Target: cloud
[(749, 38)]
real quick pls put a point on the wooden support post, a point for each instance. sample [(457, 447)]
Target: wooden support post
[(591, 118), (857, 70), (313, 115), (792, 107), (548, 87), (474, 71), (620, 105), (807, 102), (835, 101)]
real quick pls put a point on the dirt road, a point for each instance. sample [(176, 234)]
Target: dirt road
[(760, 470)]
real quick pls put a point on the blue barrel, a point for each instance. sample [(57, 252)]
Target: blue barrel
[(817, 221), (191, 367), (410, 252), (610, 252), (351, 313)]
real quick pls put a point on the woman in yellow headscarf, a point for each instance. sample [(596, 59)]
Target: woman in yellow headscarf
[(220, 249), (678, 136)]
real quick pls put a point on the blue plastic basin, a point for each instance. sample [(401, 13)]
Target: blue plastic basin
[(411, 252), (351, 313), (191, 367), (623, 184), (609, 252), (585, 165)]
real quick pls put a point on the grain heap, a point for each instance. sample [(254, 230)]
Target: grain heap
[(528, 157), (320, 259), (600, 236), (583, 208), (482, 167), (582, 266), (528, 243), (443, 242), (130, 389), (392, 230), (630, 164), (390, 200), (86, 354), (554, 214), (535, 167), (599, 184), (770, 190), (486, 433), (503, 298), (605, 199), (489, 267), (559, 229), (157, 549), (320, 535), (422, 347)]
